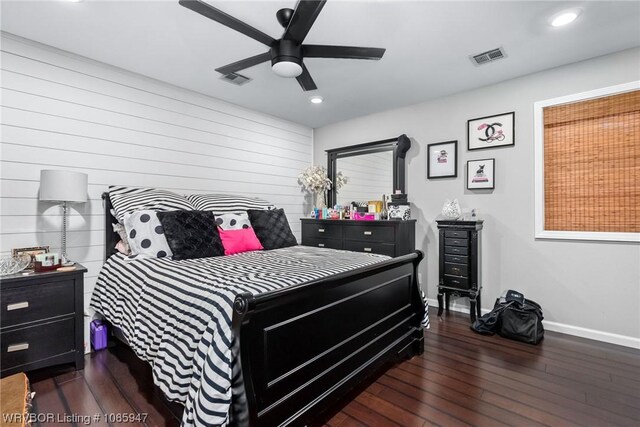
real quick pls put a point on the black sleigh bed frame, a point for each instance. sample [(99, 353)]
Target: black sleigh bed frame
[(306, 348)]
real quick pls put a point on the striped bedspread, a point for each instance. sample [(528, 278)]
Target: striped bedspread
[(177, 314)]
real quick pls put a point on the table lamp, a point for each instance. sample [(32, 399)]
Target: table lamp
[(66, 187)]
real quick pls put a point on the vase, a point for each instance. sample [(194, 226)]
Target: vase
[(320, 202)]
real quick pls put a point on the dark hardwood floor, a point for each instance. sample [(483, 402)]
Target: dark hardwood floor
[(462, 379)]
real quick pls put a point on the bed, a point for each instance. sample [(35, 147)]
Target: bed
[(266, 337)]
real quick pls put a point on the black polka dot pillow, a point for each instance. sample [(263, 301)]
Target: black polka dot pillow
[(146, 234), (233, 221)]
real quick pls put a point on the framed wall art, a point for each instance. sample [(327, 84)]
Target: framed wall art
[(442, 160), (491, 131), (481, 174)]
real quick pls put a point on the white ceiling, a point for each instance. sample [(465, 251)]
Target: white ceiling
[(428, 45)]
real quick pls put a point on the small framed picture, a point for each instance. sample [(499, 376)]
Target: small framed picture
[(481, 174), (491, 131), (37, 250), (442, 160)]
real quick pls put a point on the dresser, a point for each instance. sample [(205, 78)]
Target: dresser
[(42, 320), (460, 262), (392, 238)]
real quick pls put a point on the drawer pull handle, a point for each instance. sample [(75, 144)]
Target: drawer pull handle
[(368, 233), (18, 305), (367, 249), (321, 245), (18, 347), (456, 270), (320, 230), (455, 281)]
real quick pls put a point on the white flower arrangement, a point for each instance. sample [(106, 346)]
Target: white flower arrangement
[(314, 179)]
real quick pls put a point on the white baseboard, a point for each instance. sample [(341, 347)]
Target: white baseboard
[(577, 331)]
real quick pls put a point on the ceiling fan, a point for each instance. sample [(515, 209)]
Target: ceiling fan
[(286, 53)]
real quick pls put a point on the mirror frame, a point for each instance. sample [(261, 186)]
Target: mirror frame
[(399, 146)]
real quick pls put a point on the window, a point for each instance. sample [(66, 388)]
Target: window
[(587, 164)]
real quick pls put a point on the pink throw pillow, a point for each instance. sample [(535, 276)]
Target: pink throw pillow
[(237, 241)]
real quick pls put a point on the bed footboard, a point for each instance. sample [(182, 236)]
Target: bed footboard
[(305, 347)]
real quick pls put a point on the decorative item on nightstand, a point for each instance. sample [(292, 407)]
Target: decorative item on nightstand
[(66, 187), (314, 180)]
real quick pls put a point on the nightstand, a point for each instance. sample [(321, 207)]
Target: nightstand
[(42, 320)]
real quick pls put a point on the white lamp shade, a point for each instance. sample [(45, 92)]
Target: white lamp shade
[(63, 186)]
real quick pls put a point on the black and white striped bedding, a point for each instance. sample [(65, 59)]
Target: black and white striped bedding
[(177, 314)]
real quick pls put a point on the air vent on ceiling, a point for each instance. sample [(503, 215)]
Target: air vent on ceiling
[(488, 56), (235, 78)]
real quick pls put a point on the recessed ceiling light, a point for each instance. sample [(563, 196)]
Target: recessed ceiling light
[(563, 18), (317, 99)]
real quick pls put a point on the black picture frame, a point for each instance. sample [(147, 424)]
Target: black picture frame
[(430, 150), (492, 179), (510, 140)]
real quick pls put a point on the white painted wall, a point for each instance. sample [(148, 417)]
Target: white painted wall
[(586, 288), (62, 111)]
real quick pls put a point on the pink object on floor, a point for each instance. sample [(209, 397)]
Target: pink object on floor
[(238, 241)]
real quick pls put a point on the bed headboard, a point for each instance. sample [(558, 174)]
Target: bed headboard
[(111, 238)]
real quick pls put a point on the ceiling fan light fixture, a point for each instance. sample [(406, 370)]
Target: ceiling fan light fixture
[(287, 69)]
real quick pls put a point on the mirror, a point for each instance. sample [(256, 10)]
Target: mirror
[(372, 169)]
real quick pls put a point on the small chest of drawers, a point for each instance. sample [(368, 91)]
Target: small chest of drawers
[(460, 262), (392, 238), (42, 320)]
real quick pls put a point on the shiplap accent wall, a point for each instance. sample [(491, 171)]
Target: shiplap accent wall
[(62, 111)]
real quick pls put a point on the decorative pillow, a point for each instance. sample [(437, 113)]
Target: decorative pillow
[(233, 221), (221, 204), (145, 234), (239, 240), (123, 245), (131, 199), (191, 234), (272, 228)]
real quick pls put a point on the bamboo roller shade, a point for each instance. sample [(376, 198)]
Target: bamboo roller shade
[(592, 165)]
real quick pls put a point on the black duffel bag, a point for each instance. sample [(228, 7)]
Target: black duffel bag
[(522, 322)]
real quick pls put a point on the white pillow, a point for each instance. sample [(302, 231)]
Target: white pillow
[(146, 235)]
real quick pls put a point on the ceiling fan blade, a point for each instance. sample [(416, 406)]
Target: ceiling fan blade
[(305, 80), (303, 18), (244, 63), (350, 52), (227, 20)]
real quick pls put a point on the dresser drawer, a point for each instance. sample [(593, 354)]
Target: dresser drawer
[(370, 233), (456, 234), (323, 243), (456, 259), (372, 247), (321, 230), (456, 269), (456, 282), (28, 345), (456, 242), (29, 303), (456, 250)]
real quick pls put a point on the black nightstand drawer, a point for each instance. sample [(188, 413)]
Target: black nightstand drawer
[(28, 345), (456, 250), (457, 259), (323, 243), (456, 282), (31, 303), (456, 234), (456, 242), (456, 269), (321, 231), (370, 233), (372, 247)]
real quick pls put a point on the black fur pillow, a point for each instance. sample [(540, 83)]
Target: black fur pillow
[(272, 228), (191, 234)]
